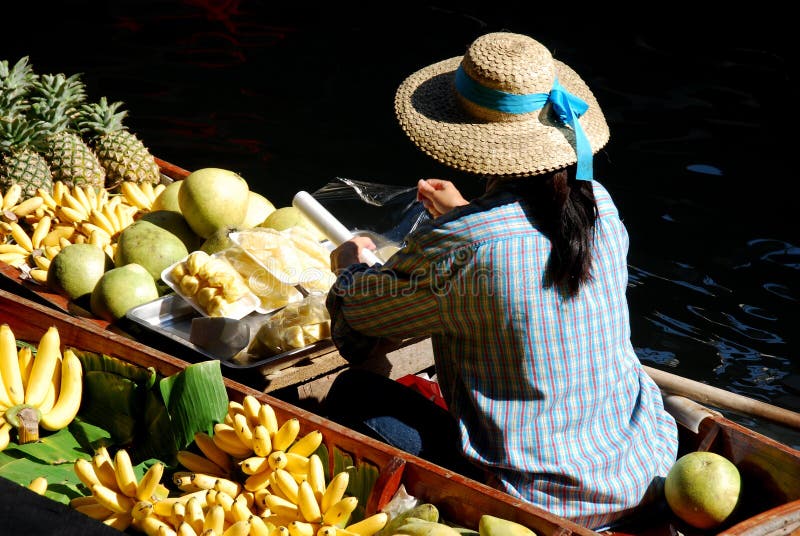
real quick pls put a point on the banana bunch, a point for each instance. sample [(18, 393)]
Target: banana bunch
[(283, 492), (38, 485), (42, 390), (211, 281), (115, 490), (141, 194), (34, 230)]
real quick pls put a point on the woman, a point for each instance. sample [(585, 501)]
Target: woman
[(521, 290)]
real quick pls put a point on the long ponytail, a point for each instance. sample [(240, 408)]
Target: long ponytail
[(565, 211)]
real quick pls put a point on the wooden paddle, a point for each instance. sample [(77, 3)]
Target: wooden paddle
[(714, 396)]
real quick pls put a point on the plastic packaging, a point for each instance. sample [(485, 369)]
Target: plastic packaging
[(389, 210), (297, 325)]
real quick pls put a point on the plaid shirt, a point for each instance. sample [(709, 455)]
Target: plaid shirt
[(549, 395)]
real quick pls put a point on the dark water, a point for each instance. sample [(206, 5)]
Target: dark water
[(700, 161)]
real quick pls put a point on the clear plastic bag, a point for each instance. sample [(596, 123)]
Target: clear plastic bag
[(389, 210), (297, 325)]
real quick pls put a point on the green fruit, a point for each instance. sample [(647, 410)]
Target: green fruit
[(287, 217), (149, 245), (424, 511), (168, 198), (219, 241), (211, 198), (702, 488), (258, 208), (120, 289), (497, 526), (175, 223), (75, 270)]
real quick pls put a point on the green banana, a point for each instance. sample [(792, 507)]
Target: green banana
[(420, 527), (496, 526), (425, 511)]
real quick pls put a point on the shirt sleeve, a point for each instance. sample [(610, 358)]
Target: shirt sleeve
[(383, 301)]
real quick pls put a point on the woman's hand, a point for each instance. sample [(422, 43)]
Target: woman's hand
[(349, 252), (438, 196)]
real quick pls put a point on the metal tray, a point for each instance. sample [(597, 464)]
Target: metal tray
[(171, 317)]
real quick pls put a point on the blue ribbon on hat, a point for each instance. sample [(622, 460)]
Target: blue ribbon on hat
[(567, 107)]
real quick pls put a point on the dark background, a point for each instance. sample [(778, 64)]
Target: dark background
[(701, 105)]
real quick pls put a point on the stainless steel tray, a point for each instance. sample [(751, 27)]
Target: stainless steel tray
[(171, 317)]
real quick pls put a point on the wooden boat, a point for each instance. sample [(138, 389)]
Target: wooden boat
[(770, 470)]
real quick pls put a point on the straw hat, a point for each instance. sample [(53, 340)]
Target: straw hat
[(448, 124)]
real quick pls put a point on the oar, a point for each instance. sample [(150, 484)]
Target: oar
[(713, 396)]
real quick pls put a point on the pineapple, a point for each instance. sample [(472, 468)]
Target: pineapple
[(21, 138), (123, 155), (55, 100)]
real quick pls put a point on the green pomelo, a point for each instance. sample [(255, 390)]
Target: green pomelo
[(702, 488), (150, 246), (258, 208), (120, 289), (497, 526), (287, 217), (168, 198), (211, 198), (75, 270), (175, 223)]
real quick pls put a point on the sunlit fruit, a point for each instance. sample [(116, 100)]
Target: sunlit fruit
[(702, 488), (211, 198)]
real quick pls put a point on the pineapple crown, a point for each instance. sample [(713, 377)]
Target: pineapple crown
[(56, 99), (15, 83), (19, 132), (100, 118)]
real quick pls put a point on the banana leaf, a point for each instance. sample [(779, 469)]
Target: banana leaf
[(195, 399), (363, 476)]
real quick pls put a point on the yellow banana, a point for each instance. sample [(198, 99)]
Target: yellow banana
[(194, 514), (69, 397), (201, 464), (100, 219), (277, 459), (27, 207), (240, 511), (185, 529), (286, 434), (267, 417), (95, 511), (68, 200), (177, 513), (262, 443), (124, 215), (56, 233), (308, 504), (42, 262), (123, 468), (20, 236), (48, 352), (39, 275), (10, 248), (306, 445), (38, 485), (369, 525), (5, 435), (215, 519), (327, 530), (257, 481), (82, 500), (302, 528), (119, 521), (141, 509), (46, 198), (287, 483), (146, 487), (12, 196), (254, 465), (242, 429), (251, 406), (334, 491), (153, 526), (86, 473), (258, 527), (316, 476), (207, 446), (14, 259), (228, 486), (104, 469), (282, 507), (9, 366), (79, 194), (339, 513), (296, 463), (113, 500), (225, 438), (226, 502), (49, 399), (147, 190), (40, 231), (135, 196), (239, 528)]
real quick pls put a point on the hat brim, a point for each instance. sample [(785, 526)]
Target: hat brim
[(429, 112)]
